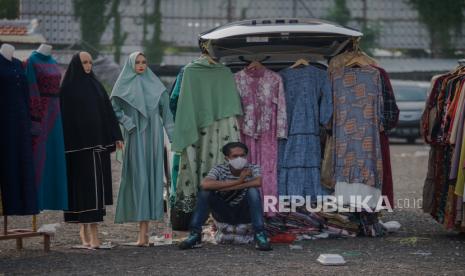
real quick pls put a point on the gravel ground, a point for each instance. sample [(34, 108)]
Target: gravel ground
[(420, 247)]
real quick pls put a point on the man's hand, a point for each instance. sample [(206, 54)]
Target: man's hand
[(244, 174)]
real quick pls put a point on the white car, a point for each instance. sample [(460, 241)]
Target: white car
[(277, 42)]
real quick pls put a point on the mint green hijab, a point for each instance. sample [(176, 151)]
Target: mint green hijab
[(141, 91)]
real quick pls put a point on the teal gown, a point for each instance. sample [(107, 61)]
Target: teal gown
[(140, 195), (143, 119)]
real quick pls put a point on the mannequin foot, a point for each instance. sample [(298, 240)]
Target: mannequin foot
[(143, 241), (84, 235), (94, 241)]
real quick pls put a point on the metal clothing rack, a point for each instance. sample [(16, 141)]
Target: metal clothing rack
[(20, 234)]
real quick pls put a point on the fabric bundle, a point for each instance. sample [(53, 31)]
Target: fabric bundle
[(233, 234)]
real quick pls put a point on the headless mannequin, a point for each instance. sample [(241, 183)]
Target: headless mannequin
[(7, 51), (45, 49)]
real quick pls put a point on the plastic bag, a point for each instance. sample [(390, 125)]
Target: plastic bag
[(50, 229)]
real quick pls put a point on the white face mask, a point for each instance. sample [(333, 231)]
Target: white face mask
[(238, 163)]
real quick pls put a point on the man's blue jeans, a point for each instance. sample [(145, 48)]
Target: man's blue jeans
[(249, 210)]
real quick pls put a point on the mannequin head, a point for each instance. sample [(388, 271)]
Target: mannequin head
[(7, 51), (45, 49), (86, 61), (141, 64)]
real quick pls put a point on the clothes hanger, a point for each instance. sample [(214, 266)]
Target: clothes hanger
[(208, 58), (460, 68), (362, 59), (206, 54), (300, 62), (358, 57), (255, 65)]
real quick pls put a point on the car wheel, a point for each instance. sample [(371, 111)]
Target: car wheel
[(411, 140)]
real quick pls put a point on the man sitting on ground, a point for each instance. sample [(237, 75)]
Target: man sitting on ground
[(230, 191)]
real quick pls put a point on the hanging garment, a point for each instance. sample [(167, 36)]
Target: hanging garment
[(176, 157), (141, 104), (175, 91), (457, 126), (387, 183), (1, 202), (43, 75), (390, 119), (428, 187), (442, 127), (205, 121), (198, 159), (356, 127), (309, 105), (390, 110), (17, 186), (90, 130), (208, 93), (264, 121), (457, 139)]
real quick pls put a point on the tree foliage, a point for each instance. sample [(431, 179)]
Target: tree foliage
[(119, 37), (93, 22), (339, 13), (442, 19), (9, 9), (154, 47)]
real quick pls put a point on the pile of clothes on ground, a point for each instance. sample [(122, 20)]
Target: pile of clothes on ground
[(302, 225), (223, 233), (287, 227)]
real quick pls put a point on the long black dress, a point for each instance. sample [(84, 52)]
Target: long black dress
[(90, 130), (19, 194)]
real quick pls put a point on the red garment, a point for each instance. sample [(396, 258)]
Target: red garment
[(388, 186), (283, 238)]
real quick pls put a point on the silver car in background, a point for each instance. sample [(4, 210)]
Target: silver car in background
[(411, 98)]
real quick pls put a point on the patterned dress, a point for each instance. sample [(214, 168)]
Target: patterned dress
[(43, 75), (309, 105), (357, 124), (198, 159), (264, 121), (205, 121)]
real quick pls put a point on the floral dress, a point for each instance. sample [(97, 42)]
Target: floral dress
[(264, 121)]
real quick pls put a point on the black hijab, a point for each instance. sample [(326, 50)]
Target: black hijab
[(88, 117)]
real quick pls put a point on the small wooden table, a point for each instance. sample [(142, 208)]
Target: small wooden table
[(20, 234)]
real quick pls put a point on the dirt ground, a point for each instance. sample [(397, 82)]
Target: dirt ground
[(421, 247)]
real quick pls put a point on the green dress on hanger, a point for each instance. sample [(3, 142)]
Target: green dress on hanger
[(141, 104), (205, 121)]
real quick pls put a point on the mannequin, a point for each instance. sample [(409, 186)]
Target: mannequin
[(7, 50), (141, 104), (44, 76), (45, 49), (91, 131)]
